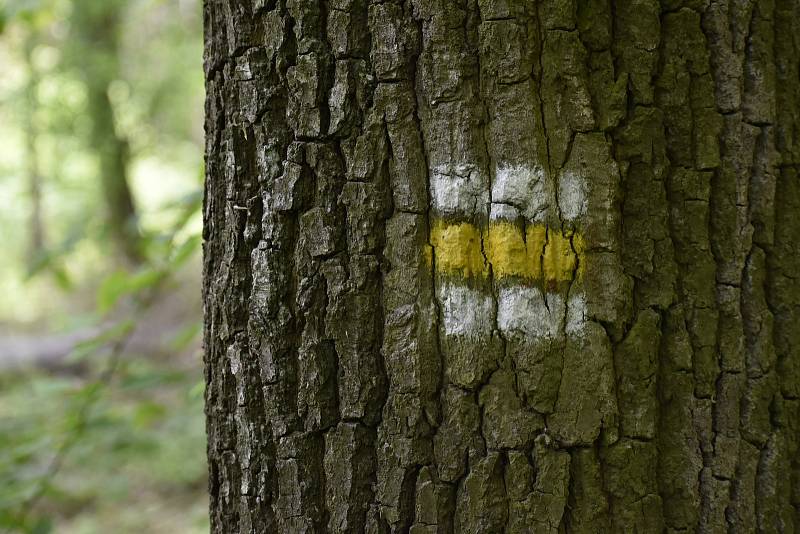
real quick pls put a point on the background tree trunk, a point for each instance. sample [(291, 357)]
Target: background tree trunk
[(97, 27), (36, 241), (502, 266)]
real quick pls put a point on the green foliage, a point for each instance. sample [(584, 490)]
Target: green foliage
[(122, 283), (152, 64), (142, 435), (32, 13), (87, 416), (116, 429)]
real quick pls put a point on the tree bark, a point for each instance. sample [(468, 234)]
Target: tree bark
[(502, 266)]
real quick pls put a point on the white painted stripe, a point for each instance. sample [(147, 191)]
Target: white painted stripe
[(459, 190), (523, 312), (522, 186), (571, 195), (466, 312), (504, 212), (576, 315)]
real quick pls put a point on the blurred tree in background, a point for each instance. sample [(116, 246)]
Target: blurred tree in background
[(101, 424), (93, 50)]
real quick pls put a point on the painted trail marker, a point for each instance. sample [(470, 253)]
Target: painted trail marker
[(532, 263), (532, 253)]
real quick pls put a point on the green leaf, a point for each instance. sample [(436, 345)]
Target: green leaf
[(92, 346), (43, 525), (147, 413), (112, 288), (184, 251), (185, 335), (119, 284), (197, 390), (32, 13)]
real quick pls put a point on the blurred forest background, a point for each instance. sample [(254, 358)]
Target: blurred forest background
[(101, 418)]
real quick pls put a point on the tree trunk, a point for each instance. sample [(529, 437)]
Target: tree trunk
[(97, 27), (36, 244), (502, 266)]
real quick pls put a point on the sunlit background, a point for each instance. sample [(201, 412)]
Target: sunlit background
[(101, 421)]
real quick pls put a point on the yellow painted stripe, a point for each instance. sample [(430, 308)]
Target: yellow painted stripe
[(559, 259), (510, 254), (457, 248), (462, 249)]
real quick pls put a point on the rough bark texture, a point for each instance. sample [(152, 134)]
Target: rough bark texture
[(503, 266)]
